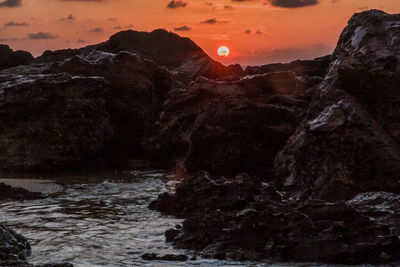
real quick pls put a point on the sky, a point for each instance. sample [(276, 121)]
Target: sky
[(256, 31)]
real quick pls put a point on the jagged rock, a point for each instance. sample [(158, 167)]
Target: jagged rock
[(348, 143), (165, 48), (10, 58), (242, 218), (230, 126), (81, 109)]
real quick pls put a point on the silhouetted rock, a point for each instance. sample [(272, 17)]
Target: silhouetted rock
[(317, 67), (349, 141), (163, 47), (168, 257), (230, 126), (10, 58)]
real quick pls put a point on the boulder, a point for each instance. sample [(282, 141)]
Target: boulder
[(78, 111), (348, 143), (229, 126), (10, 58)]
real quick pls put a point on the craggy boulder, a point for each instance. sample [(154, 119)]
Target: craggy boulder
[(10, 58), (349, 141), (229, 126)]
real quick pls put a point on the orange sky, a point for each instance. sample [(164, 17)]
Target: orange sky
[(284, 34)]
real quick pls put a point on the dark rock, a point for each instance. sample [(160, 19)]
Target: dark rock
[(243, 219), (10, 58), (16, 193), (163, 47), (348, 143), (80, 110), (317, 67), (229, 126), (168, 257)]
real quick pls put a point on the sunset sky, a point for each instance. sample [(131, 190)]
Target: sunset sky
[(256, 31)]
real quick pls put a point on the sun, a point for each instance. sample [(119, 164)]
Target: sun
[(223, 51)]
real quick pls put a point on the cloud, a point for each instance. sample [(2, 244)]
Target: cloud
[(183, 28), (293, 3), (11, 3), (81, 41), (98, 29), (68, 18), (247, 31), (176, 4), (15, 24), (41, 35), (213, 21), (259, 32)]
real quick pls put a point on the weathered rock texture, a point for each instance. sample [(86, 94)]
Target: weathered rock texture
[(334, 195), (80, 110), (349, 141)]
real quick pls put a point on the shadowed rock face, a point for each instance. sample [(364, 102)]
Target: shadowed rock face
[(349, 141), (10, 58), (230, 126), (82, 109)]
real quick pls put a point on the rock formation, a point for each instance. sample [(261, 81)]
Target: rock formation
[(10, 58)]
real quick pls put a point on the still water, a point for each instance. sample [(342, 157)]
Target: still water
[(103, 220)]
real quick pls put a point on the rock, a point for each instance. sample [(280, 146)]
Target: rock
[(10, 58), (79, 111), (16, 193), (242, 218), (168, 257), (312, 68), (229, 127), (165, 48), (348, 143)]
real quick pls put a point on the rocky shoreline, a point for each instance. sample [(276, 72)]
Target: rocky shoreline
[(294, 162)]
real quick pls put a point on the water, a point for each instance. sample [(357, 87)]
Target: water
[(103, 220)]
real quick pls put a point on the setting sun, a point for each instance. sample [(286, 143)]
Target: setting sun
[(223, 51)]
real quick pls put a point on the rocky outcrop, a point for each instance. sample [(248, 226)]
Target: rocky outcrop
[(10, 58), (334, 193), (165, 48), (80, 110), (314, 68), (349, 143), (230, 126), (242, 218)]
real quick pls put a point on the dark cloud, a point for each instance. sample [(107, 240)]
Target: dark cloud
[(259, 32), (213, 21), (11, 3), (81, 41), (41, 35), (228, 7), (15, 24), (68, 18), (183, 28), (293, 3), (176, 4), (248, 31), (98, 29)]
